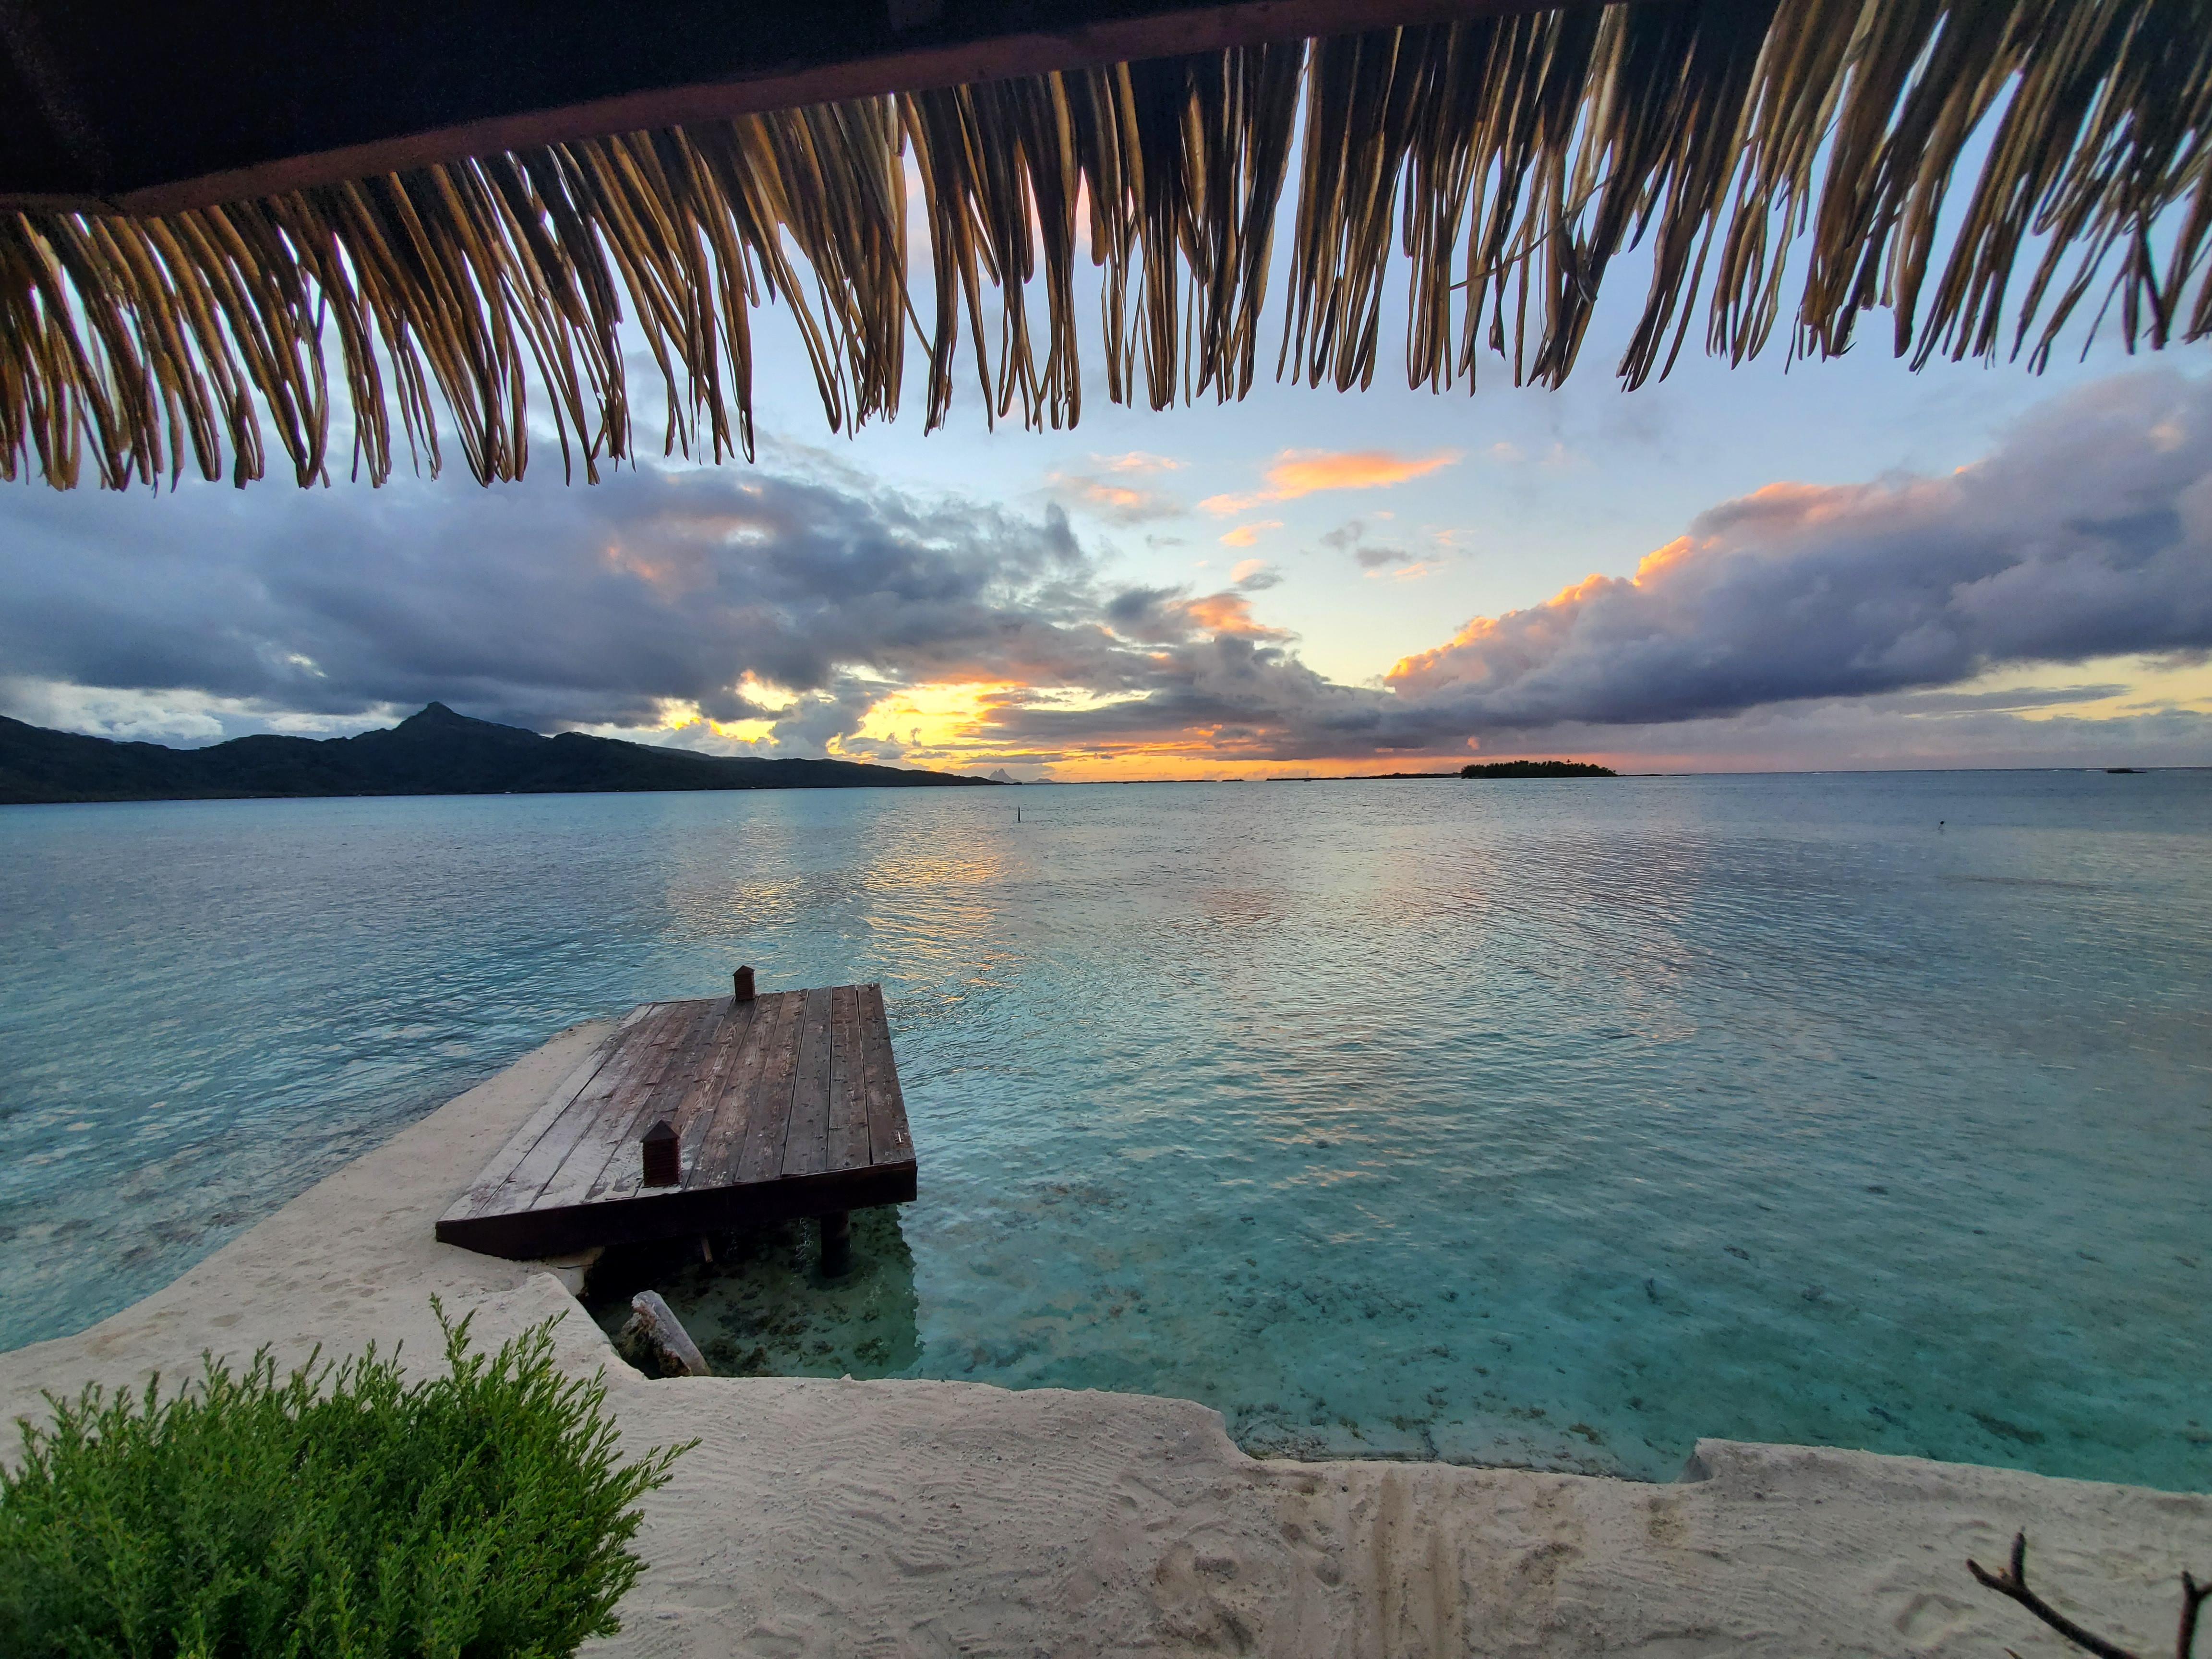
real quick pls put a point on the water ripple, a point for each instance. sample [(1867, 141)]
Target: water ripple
[(1533, 1122)]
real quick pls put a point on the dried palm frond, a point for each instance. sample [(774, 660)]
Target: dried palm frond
[(1510, 160)]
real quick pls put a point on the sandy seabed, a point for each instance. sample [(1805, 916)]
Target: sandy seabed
[(927, 1518)]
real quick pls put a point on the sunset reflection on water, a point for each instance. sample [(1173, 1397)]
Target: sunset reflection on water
[(1546, 1122)]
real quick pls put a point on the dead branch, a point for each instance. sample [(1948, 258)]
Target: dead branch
[(2013, 1582), (2192, 1597)]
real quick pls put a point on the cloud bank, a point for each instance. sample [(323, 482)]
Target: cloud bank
[(1802, 624), (549, 607), (2088, 534)]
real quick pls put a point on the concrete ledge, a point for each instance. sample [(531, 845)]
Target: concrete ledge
[(938, 1518)]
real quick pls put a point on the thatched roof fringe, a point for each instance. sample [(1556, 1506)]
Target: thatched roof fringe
[(1509, 160)]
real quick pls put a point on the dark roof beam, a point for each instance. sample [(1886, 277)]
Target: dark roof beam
[(253, 99)]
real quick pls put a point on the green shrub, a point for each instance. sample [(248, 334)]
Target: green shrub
[(341, 1514)]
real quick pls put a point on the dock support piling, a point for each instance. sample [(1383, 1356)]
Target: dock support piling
[(655, 1340), (741, 985), (836, 1241)]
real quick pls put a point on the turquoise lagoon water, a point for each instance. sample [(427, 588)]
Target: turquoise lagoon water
[(1556, 1123)]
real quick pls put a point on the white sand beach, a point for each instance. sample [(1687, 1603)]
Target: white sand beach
[(828, 1517)]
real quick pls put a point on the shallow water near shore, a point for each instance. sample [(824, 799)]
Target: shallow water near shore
[(1544, 1122)]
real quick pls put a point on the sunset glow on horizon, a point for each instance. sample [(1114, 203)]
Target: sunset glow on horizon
[(1858, 568)]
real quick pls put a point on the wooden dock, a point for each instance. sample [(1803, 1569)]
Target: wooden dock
[(782, 1106)]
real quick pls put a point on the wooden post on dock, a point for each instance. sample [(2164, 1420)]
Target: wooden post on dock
[(741, 985), (836, 1241), (664, 1156)]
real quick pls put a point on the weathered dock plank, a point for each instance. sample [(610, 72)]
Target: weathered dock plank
[(785, 1106), (730, 1117), (557, 1106), (534, 1165), (762, 1159), (622, 1118), (889, 1142), (672, 1099), (806, 1143), (848, 1141)]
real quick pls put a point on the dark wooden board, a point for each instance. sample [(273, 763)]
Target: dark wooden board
[(762, 1159), (848, 1141), (889, 1142), (807, 1142), (674, 1099), (785, 1107), (730, 1117), (537, 1162), (620, 1119)]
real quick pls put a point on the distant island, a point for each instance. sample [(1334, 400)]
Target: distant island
[(435, 752), (1520, 769), (1537, 769)]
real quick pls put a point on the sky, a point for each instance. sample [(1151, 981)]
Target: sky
[(1776, 567)]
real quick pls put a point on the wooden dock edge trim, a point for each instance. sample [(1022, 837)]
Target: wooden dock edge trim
[(526, 1235)]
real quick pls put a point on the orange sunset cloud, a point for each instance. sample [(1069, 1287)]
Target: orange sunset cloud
[(1114, 495), (1306, 471), (1138, 460), (1245, 534), (1227, 613)]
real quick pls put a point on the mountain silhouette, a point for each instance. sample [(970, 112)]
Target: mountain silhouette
[(435, 752)]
